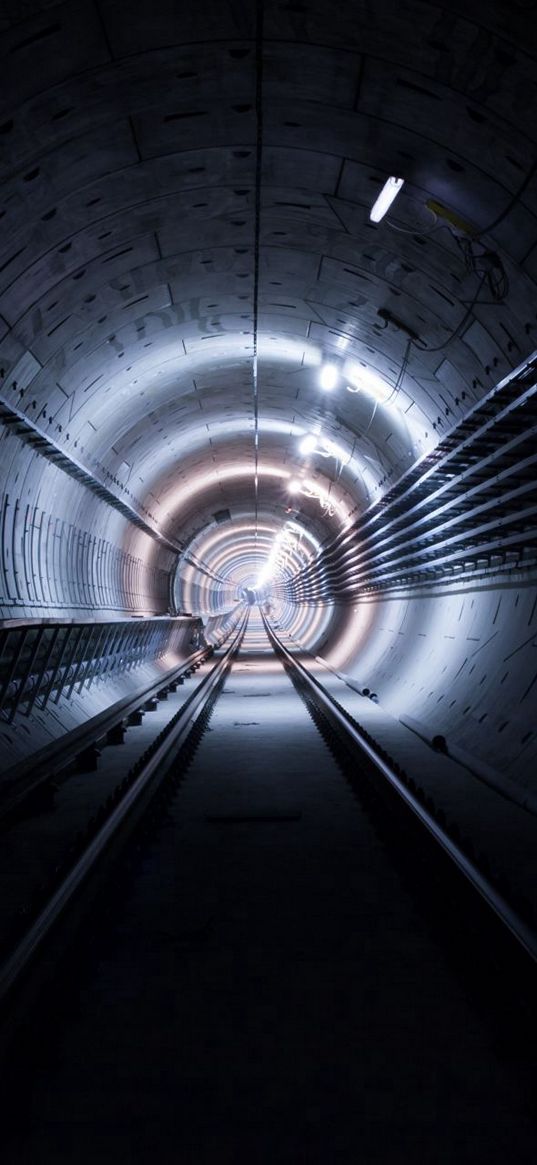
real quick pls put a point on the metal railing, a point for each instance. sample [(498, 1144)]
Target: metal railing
[(468, 506), (47, 661)]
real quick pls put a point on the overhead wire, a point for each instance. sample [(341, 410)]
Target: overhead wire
[(485, 263), (460, 325)]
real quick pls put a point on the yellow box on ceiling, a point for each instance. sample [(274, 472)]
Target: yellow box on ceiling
[(451, 216)]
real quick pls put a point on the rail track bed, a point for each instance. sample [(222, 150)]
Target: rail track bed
[(272, 958), (49, 816)]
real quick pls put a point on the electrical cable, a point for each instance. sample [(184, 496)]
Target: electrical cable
[(487, 265), (460, 325), (402, 370)]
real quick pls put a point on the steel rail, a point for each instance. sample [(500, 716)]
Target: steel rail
[(347, 728), (49, 762), (143, 788)]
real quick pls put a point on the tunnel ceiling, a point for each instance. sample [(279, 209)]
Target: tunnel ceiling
[(185, 240)]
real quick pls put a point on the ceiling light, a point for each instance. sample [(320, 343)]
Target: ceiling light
[(310, 489), (389, 191), (323, 446), (328, 377), (307, 444), (265, 575)]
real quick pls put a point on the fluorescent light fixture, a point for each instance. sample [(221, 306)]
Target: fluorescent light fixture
[(389, 191), (328, 377), (333, 450), (323, 447), (307, 444), (263, 578), (310, 489), (281, 553)]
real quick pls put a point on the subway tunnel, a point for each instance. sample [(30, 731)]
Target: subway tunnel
[(186, 247), (225, 387)]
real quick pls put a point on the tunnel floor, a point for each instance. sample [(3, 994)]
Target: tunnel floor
[(265, 986)]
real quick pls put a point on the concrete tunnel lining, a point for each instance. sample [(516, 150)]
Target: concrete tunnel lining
[(185, 240)]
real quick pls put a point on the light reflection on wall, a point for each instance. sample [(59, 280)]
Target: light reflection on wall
[(292, 548), (225, 560), (361, 378), (306, 625), (367, 645)]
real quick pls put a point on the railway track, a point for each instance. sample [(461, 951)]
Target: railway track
[(235, 838), (354, 745), (63, 856)]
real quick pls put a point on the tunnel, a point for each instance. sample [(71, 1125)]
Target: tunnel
[(188, 257), (268, 322)]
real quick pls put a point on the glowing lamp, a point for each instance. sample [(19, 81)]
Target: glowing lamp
[(389, 191), (307, 444), (328, 377)]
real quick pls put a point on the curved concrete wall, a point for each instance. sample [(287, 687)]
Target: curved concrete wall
[(186, 241), (65, 552), (459, 662)]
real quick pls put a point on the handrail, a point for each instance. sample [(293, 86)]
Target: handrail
[(57, 754)]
